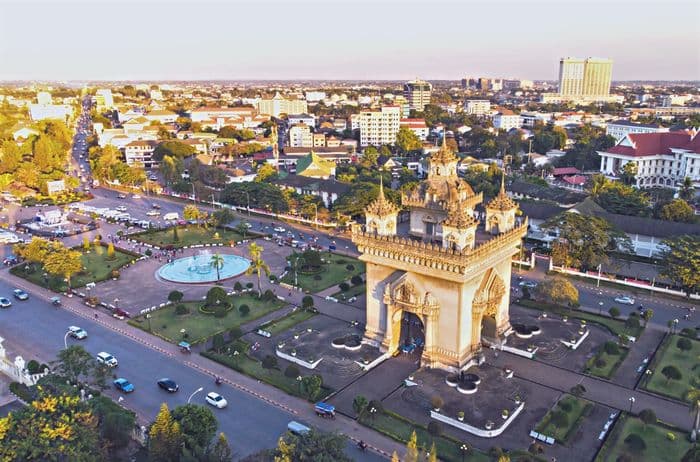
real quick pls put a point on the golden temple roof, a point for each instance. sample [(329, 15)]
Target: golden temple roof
[(459, 217), (381, 205), (444, 154), (502, 201)]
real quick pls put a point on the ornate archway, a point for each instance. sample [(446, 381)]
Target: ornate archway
[(485, 307)]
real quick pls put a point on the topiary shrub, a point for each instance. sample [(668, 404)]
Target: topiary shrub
[(238, 286), (350, 267), (244, 310), (435, 429), (307, 301), (249, 285), (565, 406), (292, 371), (600, 363), (269, 362), (216, 296), (611, 348), (356, 280), (181, 310), (175, 296), (269, 295), (33, 367), (344, 286)]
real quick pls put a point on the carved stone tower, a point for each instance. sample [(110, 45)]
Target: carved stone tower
[(500, 212), (381, 215)]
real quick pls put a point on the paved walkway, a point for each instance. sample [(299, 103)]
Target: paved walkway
[(295, 406), (599, 391), (627, 375)]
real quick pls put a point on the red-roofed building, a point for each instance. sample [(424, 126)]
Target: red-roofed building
[(663, 159), (417, 126), (561, 171)]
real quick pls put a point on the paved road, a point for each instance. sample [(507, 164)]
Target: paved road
[(36, 329)]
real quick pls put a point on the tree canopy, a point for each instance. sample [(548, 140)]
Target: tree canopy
[(680, 262), (173, 148)]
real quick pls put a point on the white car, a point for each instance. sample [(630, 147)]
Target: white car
[(135, 196), (77, 332), (624, 299), (280, 229), (216, 400), (153, 213), (105, 358), (122, 208)]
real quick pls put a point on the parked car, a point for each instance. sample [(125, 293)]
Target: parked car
[(107, 359), (121, 208), (123, 385), (625, 300), (120, 314), (168, 385), (10, 260), (216, 400), (279, 229), (135, 196), (5, 302), (77, 332), (528, 284), (153, 213), (121, 196), (20, 294), (155, 206)]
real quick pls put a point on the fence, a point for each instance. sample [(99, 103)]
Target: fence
[(16, 369)]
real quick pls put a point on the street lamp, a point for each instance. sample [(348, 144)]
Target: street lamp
[(631, 400), (600, 267), (65, 340), (247, 195), (315, 215), (296, 266), (600, 307), (464, 448), (194, 393), (148, 317), (299, 382), (116, 303), (675, 324)]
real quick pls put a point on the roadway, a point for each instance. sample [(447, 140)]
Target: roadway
[(36, 329)]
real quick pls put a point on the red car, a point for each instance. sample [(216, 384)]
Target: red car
[(120, 314)]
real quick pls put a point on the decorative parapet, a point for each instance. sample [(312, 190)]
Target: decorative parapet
[(410, 252), (470, 202)]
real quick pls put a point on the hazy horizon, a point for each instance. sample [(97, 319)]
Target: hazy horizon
[(311, 40)]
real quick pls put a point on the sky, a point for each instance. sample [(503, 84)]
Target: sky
[(339, 39)]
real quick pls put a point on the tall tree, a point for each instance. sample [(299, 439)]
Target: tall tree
[(217, 262), (191, 212), (680, 262), (678, 210), (412, 449), (407, 140), (257, 264), (221, 451), (559, 291), (75, 363), (64, 262), (164, 437), (687, 189), (692, 396), (198, 427)]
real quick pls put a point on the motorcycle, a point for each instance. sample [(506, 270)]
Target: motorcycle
[(362, 445), (218, 380)]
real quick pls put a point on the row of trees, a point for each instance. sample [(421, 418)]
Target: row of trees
[(54, 257), (107, 164)]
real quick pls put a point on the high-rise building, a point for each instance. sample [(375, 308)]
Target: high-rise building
[(103, 99), (417, 92), (43, 97), (379, 127), (588, 78)]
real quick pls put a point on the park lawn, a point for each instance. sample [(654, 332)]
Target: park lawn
[(612, 362), (658, 446), (200, 326), (579, 408), (97, 267), (400, 429), (243, 362), (615, 326), (686, 362), (287, 322), (332, 273), (189, 235), (354, 291)]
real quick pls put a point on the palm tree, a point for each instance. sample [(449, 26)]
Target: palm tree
[(693, 397), (257, 264), (217, 262)]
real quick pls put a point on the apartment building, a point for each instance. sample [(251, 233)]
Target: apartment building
[(477, 107), (307, 119), (300, 136), (506, 120), (621, 128), (280, 105), (378, 127), (417, 93), (141, 151), (50, 111)]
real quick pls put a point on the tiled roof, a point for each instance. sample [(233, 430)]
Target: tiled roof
[(565, 171), (650, 144)]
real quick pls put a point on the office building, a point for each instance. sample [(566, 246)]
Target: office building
[(300, 136), (621, 128), (477, 107), (417, 92), (506, 120), (583, 80), (379, 127), (280, 105)]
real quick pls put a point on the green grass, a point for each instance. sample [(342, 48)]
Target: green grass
[(686, 362), (287, 322), (332, 273), (97, 267), (189, 235), (579, 409), (658, 446), (252, 367), (615, 326), (612, 362), (354, 291), (199, 326), (400, 429)]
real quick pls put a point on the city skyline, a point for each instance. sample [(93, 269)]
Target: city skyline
[(357, 41)]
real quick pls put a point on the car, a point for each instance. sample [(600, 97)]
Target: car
[(122, 208), (216, 400), (5, 302), (153, 213), (121, 196), (625, 300), (135, 196), (20, 294), (119, 313), (77, 332), (168, 385), (528, 284), (279, 229), (10, 260), (247, 225), (155, 206), (123, 385), (107, 359)]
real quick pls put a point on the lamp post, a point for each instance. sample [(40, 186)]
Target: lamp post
[(116, 303), (299, 383), (675, 325), (600, 268), (315, 215), (65, 340), (148, 317), (464, 448), (247, 195), (194, 195), (296, 266), (194, 393), (631, 400), (600, 307)]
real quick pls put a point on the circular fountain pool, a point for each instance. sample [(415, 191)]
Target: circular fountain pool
[(201, 268)]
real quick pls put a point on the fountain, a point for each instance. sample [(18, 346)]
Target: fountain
[(198, 268)]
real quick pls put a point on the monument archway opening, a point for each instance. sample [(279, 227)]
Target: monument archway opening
[(489, 328), (412, 336)]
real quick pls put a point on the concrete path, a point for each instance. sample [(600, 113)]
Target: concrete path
[(627, 375), (598, 391)]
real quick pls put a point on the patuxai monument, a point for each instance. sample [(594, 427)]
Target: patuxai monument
[(447, 273)]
